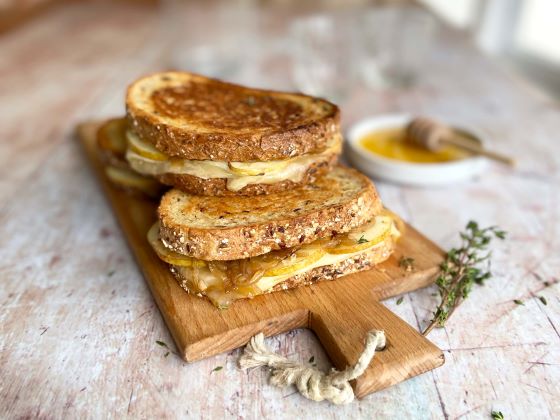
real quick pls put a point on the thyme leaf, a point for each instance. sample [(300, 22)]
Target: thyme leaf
[(518, 302), (217, 368), (362, 240), (463, 268), (543, 300), (407, 263), (400, 300), (497, 415)]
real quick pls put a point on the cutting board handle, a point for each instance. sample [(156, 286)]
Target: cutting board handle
[(342, 322)]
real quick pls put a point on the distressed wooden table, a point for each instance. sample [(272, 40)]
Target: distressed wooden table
[(79, 327)]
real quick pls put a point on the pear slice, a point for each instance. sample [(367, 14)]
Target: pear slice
[(144, 148), (303, 257), (364, 237), (167, 255), (129, 179), (257, 168)]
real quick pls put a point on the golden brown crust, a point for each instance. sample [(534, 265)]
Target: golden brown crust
[(214, 228), (218, 186), (194, 117)]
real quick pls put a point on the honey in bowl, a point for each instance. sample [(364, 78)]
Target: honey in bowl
[(392, 143)]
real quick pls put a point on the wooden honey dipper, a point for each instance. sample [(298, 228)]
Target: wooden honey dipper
[(433, 136)]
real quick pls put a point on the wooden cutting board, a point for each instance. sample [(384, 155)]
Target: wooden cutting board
[(340, 312)]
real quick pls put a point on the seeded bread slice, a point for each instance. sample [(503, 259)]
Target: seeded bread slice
[(218, 186), (194, 117), (218, 228)]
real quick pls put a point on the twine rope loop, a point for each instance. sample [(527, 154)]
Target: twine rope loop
[(310, 382)]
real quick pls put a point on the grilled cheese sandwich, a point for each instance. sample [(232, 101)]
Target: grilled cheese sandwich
[(209, 137), (291, 217), (251, 246)]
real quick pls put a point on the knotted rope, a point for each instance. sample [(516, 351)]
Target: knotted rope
[(312, 383)]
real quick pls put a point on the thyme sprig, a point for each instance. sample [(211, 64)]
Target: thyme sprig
[(463, 268)]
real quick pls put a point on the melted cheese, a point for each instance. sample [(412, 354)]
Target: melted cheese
[(238, 174), (267, 283), (202, 280)]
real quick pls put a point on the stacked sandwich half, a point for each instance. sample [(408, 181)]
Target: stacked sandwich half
[(258, 203)]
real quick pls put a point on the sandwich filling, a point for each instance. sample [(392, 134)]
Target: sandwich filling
[(226, 281), (143, 157)]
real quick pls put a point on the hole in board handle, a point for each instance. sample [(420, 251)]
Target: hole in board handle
[(384, 347)]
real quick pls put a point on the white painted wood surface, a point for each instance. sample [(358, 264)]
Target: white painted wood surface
[(78, 326)]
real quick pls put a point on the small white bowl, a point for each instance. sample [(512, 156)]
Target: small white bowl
[(417, 174)]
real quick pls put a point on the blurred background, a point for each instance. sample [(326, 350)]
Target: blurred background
[(331, 48)]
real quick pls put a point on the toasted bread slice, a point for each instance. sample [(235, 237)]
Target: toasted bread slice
[(194, 117), (352, 264), (214, 228)]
